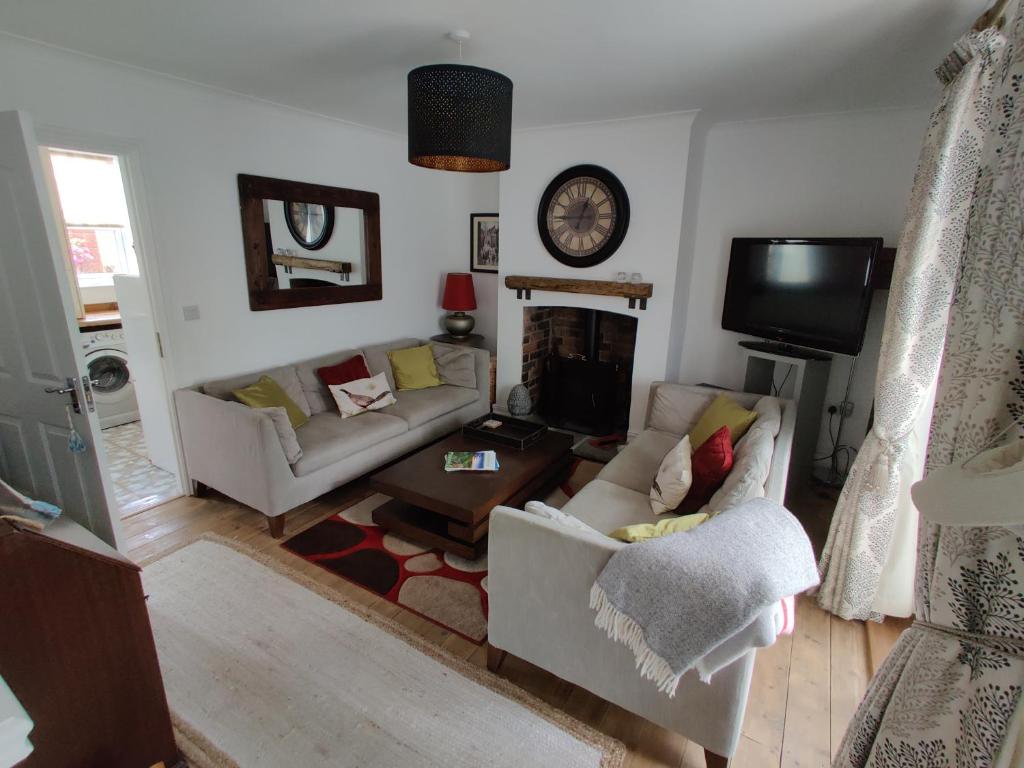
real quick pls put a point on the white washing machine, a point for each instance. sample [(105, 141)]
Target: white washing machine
[(113, 389)]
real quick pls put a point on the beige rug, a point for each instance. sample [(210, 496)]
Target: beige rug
[(264, 667)]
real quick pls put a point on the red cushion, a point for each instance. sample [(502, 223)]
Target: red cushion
[(344, 372), (710, 465)]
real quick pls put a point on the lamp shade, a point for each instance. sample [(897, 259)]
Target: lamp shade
[(460, 118), (458, 292)]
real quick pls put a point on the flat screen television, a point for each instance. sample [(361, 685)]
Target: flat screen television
[(809, 292)]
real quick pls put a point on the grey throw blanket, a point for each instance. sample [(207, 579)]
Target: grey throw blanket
[(680, 598)]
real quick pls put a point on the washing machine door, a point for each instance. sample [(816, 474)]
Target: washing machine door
[(112, 387), (108, 369)]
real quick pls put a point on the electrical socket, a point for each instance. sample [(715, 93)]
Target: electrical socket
[(846, 409)]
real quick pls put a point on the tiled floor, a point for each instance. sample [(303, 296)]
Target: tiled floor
[(138, 484)]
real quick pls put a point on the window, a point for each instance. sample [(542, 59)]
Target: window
[(95, 212)]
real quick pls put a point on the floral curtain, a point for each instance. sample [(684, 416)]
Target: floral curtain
[(947, 693), (871, 537), (950, 692)]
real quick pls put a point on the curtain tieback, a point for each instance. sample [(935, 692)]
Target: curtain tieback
[(1009, 646), (888, 455)]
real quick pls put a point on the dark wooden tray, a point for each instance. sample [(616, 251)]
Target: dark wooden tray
[(515, 433)]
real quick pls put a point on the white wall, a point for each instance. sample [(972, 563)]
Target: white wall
[(827, 175), (193, 141), (483, 198), (649, 156)]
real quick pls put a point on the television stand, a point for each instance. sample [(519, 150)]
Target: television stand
[(803, 378), (784, 350)]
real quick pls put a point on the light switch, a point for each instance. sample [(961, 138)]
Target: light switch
[(191, 312)]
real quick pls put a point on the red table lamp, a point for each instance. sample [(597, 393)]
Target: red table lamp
[(459, 297)]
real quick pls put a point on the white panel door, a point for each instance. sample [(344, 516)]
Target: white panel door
[(39, 345), (146, 371)]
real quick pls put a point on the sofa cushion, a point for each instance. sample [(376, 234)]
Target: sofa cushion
[(362, 395), (267, 393), (317, 394), (673, 479), (723, 412), (455, 365), (769, 417), (418, 406), (327, 438), (607, 507), (285, 376), (665, 527), (352, 369), (414, 367), (285, 433), (752, 460), (638, 462), (377, 357), (677, 409), (710, 464), (556, 515)]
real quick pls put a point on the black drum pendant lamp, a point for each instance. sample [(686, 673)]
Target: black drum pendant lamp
[(460, 117)]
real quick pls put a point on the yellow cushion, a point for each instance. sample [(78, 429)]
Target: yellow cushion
[(644, 531), (414, 368), (723, 412), (267, 393)]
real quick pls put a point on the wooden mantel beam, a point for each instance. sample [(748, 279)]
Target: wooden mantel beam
[(524, 284)]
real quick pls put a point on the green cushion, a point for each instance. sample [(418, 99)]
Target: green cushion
[(723, 412), (645, 531), (267, 393), (414, 368)]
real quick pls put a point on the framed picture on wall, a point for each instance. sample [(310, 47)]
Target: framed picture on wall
[(483, 242)]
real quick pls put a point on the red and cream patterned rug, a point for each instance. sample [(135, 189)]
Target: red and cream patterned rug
[(443, 588)]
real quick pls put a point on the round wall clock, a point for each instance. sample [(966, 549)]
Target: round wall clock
[(583, 215), (310, 224)]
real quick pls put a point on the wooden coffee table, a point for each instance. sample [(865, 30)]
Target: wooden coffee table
[(451, 510)]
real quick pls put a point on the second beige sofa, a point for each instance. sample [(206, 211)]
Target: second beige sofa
[(236, 450)]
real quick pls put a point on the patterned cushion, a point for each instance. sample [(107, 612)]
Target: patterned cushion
[(362, 395)]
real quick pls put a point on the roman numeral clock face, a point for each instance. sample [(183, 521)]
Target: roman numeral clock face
[(583, 215)]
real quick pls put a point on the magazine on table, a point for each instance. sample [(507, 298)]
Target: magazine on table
[(471, 461)]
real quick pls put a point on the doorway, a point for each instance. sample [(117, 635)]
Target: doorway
[(123, 351)]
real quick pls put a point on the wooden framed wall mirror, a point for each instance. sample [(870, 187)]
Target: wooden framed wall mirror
[(307, 244)]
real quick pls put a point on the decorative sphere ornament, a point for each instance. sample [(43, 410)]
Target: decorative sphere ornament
[(519, 401)]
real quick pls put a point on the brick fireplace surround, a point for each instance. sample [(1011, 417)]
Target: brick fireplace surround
[(562, 331)]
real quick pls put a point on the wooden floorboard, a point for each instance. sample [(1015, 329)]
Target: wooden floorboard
[(804, 690)]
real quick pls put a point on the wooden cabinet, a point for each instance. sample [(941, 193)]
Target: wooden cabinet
[(77, 649)]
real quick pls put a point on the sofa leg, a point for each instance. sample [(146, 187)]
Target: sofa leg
[(494, 657), (714, 760), (276, 525)]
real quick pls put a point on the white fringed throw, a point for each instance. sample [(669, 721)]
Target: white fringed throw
[(703, 598)]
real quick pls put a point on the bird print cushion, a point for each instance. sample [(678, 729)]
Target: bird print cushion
[(361, 395)]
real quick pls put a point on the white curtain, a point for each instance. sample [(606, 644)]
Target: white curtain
[(868, 562)]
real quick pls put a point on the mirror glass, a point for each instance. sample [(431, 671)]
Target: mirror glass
[(311, 245), (308, 245)]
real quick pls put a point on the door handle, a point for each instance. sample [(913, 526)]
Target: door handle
[(70, 388)]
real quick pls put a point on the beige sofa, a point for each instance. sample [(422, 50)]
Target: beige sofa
[(541, 572), (237, 451)]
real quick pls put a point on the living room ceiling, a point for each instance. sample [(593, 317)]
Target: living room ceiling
[(570, 60)]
